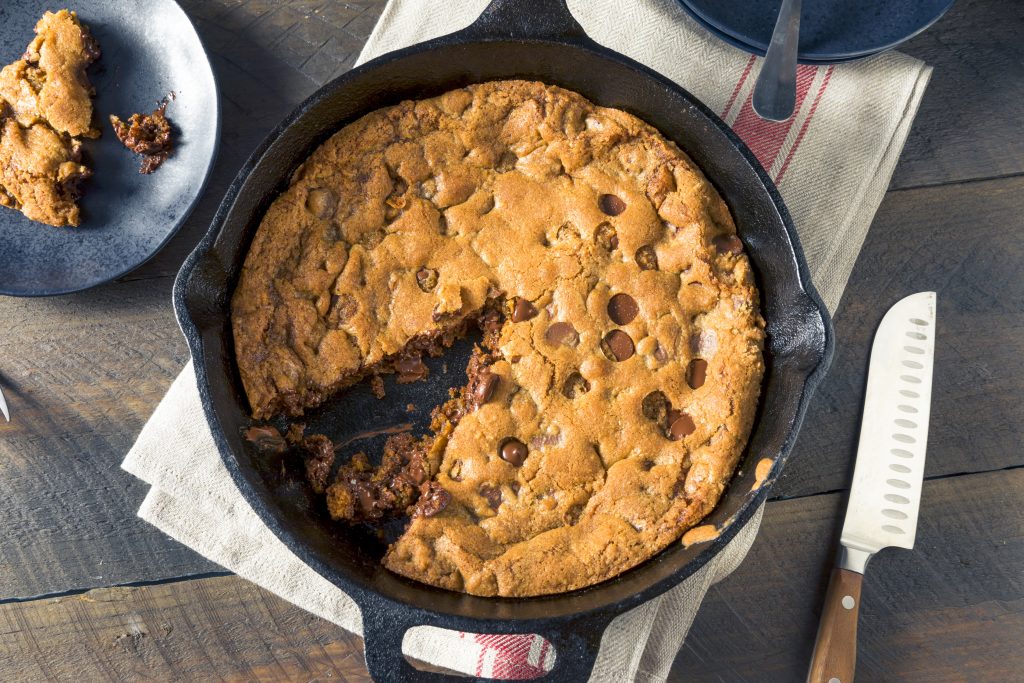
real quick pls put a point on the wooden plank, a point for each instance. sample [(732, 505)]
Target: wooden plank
[(81, 376), (82, 373), (77, 406), (969, 123), (950, 610), (209, 629), (957, 600), (957, 241), (267, 57)]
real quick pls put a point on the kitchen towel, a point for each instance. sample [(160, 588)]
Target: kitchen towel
[(832, 162)]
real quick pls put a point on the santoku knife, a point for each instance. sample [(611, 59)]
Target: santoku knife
[(887, 478)]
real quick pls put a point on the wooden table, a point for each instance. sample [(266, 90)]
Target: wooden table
[(90, 592)]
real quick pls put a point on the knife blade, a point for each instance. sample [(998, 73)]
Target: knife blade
[(3, 406), (888, 475)]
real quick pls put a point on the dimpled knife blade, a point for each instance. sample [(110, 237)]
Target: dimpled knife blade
[(887, 479)]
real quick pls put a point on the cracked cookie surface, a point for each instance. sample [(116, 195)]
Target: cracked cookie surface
[(621, 380), (45, 110)]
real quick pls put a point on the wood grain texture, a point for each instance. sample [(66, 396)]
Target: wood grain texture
[(969, 124), (81, 376), (952, 609), (222, 629), (267, 56), (957, 241), (835, 648), (83, 372), (102, 360)]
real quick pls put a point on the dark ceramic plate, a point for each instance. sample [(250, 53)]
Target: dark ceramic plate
[(149, 49), (726, 38), (830, 30)]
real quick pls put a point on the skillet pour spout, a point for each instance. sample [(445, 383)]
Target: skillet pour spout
[(536, 40)]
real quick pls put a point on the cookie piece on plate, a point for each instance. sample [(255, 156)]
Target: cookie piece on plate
[(45, 111)]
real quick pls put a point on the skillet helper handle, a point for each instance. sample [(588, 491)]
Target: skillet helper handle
[(576, 646), (536, 19), (835, 648)]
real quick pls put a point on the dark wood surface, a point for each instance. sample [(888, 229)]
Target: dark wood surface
[(83, 372)]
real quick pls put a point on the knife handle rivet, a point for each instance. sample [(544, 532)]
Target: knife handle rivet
[(848, 603), (834, 680)]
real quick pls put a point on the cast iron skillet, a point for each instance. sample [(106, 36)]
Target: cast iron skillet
[(534, 39)]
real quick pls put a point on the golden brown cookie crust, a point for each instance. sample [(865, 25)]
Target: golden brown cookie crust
[(45, 109), (629, 372)]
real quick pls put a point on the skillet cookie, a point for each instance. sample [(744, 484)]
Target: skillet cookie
[(617, 376)]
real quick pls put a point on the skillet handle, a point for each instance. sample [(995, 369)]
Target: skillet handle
[(576, 645), (527, 19)]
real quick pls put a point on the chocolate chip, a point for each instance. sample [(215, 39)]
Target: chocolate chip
[(426, 278), (507, 162), (522, 309), (572, 515), (679, 425), (728, 244), (575, 385), (606, 237), (655, 407), (659, 354), (487, 382), (492, 494), (433, 499), (541, 440), (704, 342), (410, 369), (415, 471), (611, 204), (566, 232), (562, 333), (622, 308), (266, 439), (343, 307), (617, 346), (321, 202), (513, 451), (646, 258), (696, 373), (428, 188)]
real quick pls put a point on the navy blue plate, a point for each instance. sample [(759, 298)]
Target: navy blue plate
[(830, 30), (149, 49), (726, 38)]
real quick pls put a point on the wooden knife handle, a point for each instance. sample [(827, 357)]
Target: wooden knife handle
[(835, 648)]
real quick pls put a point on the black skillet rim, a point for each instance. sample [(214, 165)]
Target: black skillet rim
[(411, 615)]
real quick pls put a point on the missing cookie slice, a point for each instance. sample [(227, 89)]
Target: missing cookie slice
[(45, 112)]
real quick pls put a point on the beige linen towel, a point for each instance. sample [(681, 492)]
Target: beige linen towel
[(832, 162)]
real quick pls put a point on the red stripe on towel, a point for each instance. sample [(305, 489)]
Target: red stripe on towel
[(765, 138), (510, 656), (807, 121), (739, 85)]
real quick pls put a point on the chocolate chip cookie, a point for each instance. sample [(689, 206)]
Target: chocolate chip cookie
[(616, 382), (45, 111)]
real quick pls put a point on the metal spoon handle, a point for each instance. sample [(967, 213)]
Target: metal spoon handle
[(775, 91)]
